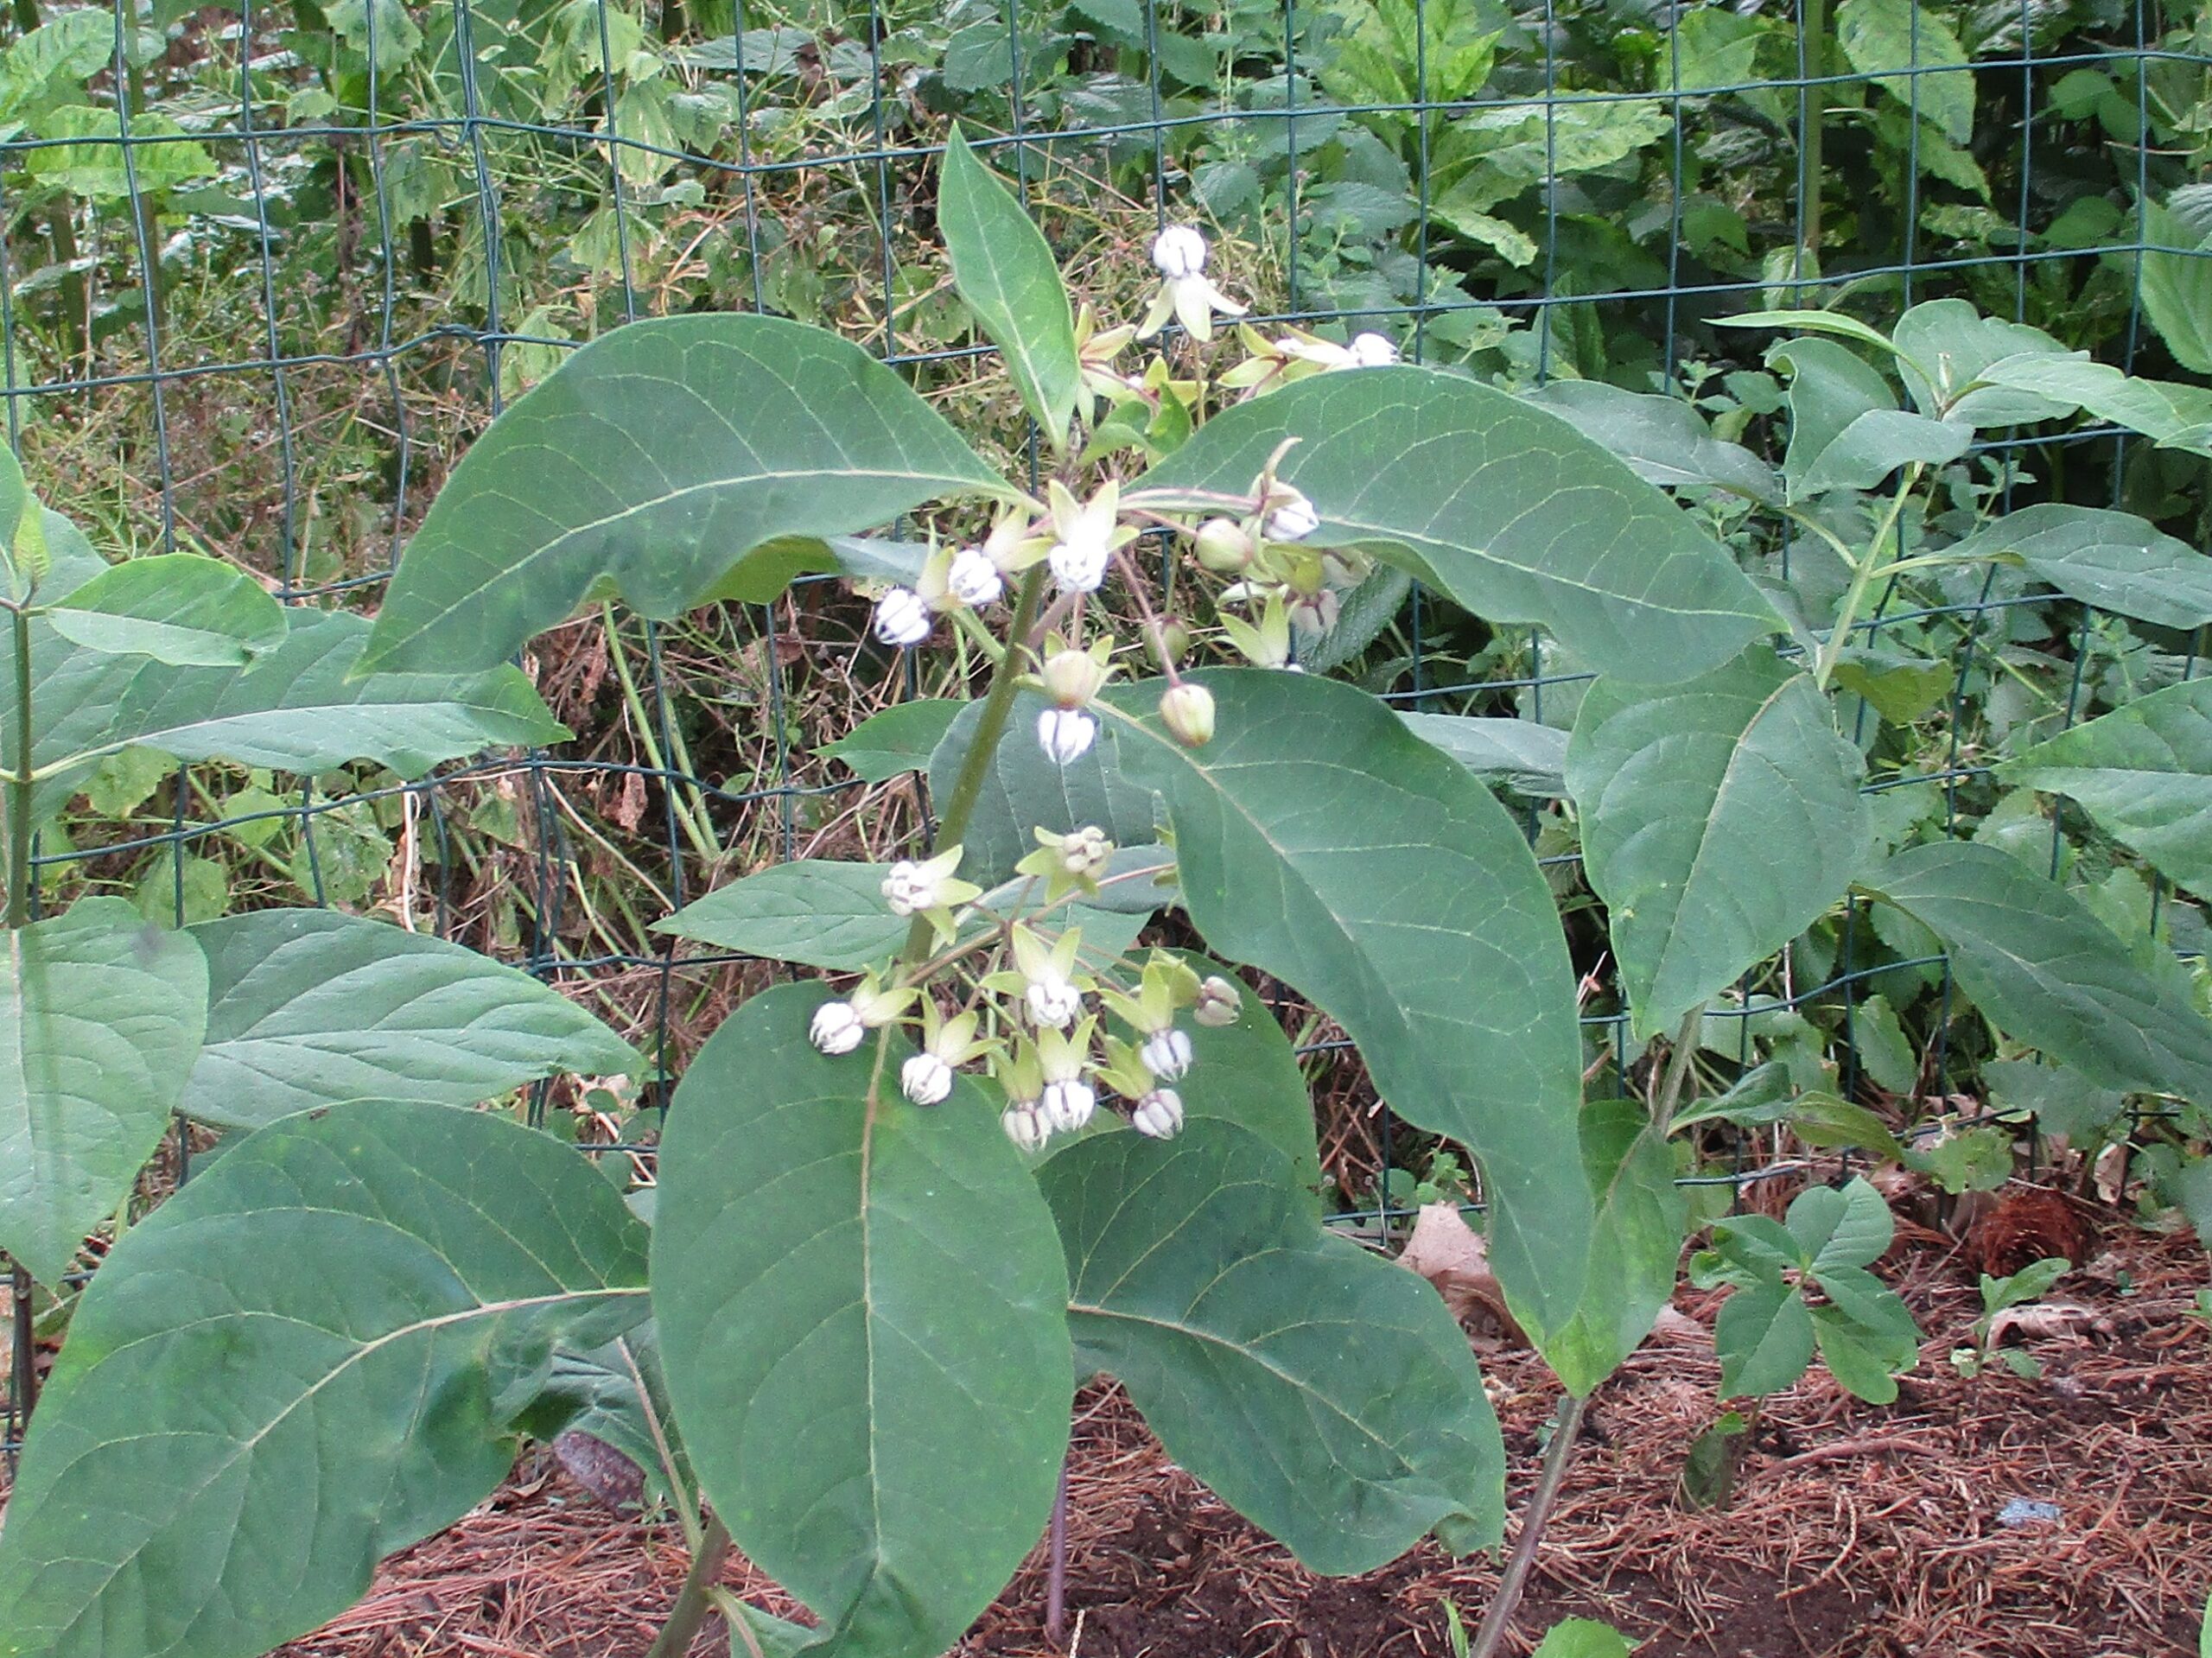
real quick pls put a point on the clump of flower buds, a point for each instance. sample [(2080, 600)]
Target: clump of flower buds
[(1085, 534), (1166, 985), (1159, 1115), (1218, 1003), (838, 1026), (1166, 1054), (1067, 1100), (1187, 712), (1025, 1125), (947, 1043), (902, 618), (1071, 677), (1045, 974), (1288, 515), (973, 579)]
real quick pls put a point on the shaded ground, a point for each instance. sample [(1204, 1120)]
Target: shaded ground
[(1856, 1531)]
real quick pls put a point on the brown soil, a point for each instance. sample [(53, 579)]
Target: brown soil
[(1856, 1531)]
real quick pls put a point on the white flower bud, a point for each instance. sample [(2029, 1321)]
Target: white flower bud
[(1159, 1115), (1218, 1003), (1373, 350), (1072, 676), (1166, 1054), (1178, 252), (1293, 517), (925, 1079), (902, 618), (1066, 1107), (1187, 712), (1316, 613), (1079, 565), (973, 579), (1025, 1125), (909, 889), (1053, 1002), (1084, 851), (1065, 734), (836, 1027)]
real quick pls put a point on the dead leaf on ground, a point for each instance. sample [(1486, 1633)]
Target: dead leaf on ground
[(1452, 1255)]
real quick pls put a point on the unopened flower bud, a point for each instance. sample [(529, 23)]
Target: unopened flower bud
[(1159, 1115), (1373, 350), (1218, 1003), (1187, 712), (1223, 548), (1083, 851), (974, 580), (1026, 1126), (925, 1079), (1065, 734), (906, 890), (836, 1027), (1073, 677), (1173, 643), (902, 618), (1067, 1106), (1293, 517), (1053, 1002), (1316, 612), (1178, 252), (1166, 1054)]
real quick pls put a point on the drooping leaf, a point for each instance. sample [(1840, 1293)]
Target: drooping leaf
[(2144, 772), (297, 708), (1516, 754), (1664, 440), (1326, 1394), (2036, 959), (2172, 416), (2115, 560), (1684, 789), (1876, 443), (1830, 390), (306, 1358), (102, 1018), (1319, 840), (649, 467), (1002, 267), (178, 609), (1025, 792), (862, 1311), (1641, 1216), (1501, 505), (308, 1008), (1910, 51), (817, 911), (897, 740)]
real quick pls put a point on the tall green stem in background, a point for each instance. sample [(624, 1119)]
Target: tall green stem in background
[(25, 1380), (1813, 41)]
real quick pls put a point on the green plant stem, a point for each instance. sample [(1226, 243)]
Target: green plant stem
[(1557, 1455), (691, 1600), (1812, 19), (990, 726), (1865, 571), (691, 815), (1679, 1064), (19, 781)]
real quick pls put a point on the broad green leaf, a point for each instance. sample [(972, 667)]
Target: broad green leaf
[(2170, 414), (1966, 1160), (1847, 1226), (1319, 840), (85, 154), (1900, 42), (1684, 789), (1004, 271), (2036, 959), (306, 1359), (1813, 321), (2144, 772), (1943, 345), (1327, 1395), (2115, 560), (1764, 1335), (1884, 1053), (1517, 754), (298, 708), (1830, 390), (1501, 505), (1875, 445), (1863, 1359), (2064, 1101), (1024, 791), (649, 467), (309, 1007), (899, 740), (1641, 1216), (817, 911), (103, 1016), (1664, 440), (1583, 1637), (1366, 611), (178, 609), (862, 1311), (2177, 288), (1900, 687)]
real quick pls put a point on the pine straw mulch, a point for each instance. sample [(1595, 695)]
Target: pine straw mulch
[(1856, 1531)]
